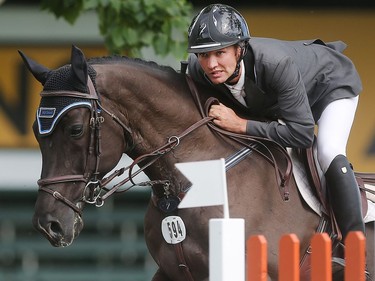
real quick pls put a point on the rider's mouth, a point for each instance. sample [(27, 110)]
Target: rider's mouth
[(216, 74)]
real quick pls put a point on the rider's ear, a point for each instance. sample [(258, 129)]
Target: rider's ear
[(39, 71), (238, 51), (79, 65)]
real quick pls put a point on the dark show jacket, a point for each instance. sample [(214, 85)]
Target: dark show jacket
[(290, 80)]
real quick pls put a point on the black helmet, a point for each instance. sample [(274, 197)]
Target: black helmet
[(215, 27)]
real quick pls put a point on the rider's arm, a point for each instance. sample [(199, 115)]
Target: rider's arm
[(298, 131)]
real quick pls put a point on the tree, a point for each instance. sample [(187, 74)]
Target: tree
[(129, 25)]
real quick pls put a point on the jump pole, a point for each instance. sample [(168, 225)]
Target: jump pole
[(226, 244), (226, 235), (226, 249)]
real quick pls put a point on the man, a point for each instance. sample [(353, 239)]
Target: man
[(303, 83)]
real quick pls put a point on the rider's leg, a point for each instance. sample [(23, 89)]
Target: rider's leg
[(334, 128), (344, 196)]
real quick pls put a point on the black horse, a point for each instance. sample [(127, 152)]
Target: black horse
[(91, 112)]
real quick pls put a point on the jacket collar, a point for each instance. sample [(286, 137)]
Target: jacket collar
[(249, 62)]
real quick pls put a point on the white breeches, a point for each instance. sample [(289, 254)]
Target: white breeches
[(334, 128)]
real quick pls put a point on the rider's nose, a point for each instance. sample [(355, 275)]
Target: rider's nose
[(212, 63)]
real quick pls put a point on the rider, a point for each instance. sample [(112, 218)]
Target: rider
[(303, 83)]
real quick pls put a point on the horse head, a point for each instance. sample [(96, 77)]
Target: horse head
[(68, 128)]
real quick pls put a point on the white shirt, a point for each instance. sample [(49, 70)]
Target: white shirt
[(238, 89)]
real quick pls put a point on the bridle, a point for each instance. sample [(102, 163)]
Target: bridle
[(96, 188), (91, 173)]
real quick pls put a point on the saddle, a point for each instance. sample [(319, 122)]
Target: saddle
[(364, 180), (307, 157)]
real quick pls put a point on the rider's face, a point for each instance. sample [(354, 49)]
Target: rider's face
[(219, 65)]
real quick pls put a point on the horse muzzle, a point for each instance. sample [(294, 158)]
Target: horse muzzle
[(59, 234)]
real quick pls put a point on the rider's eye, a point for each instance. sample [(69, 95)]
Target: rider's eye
[(76, 131)]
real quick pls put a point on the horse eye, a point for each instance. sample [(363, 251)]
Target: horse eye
[(76, 131)]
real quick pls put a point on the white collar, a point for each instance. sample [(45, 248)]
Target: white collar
[(239, 86)]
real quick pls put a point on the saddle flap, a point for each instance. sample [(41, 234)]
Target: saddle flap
[(316, 180)]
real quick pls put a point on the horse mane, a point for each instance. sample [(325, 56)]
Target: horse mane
[(124, 59), (60, 78)]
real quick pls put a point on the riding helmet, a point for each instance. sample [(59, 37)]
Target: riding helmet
[(215, 27)]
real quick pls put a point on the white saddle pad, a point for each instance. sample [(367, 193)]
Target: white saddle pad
[(303, 185)]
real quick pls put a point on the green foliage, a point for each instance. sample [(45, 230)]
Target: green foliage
[(129, 25)]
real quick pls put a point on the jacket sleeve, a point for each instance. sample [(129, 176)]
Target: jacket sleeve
[(298, 129)]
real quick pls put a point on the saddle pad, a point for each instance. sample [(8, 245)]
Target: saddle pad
[(300, 176)]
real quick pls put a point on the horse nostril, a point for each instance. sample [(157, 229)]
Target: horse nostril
[(50, 227), (55, 228)]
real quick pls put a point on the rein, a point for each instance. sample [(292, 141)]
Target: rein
[(171, 144), (283, 177)]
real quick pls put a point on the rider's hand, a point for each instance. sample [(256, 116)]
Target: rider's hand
[(227, 119)]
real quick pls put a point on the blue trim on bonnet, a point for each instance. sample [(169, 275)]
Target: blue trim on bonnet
[(39, 115)]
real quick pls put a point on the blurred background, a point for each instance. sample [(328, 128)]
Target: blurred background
[(111, 245)]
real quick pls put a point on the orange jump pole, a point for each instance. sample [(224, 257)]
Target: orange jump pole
[(321, 266), (355, 257), (289, 258), (256, 248)]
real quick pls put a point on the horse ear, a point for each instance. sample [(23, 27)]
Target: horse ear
[(79, 65), (39, 71)]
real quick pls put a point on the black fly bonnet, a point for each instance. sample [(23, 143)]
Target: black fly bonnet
[(60, 94)]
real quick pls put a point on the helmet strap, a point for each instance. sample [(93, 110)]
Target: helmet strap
[(238, 66), (235, 73)]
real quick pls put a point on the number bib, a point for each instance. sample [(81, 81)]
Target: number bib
[(173, 229)]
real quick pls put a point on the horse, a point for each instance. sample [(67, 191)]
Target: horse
[(94, 111)]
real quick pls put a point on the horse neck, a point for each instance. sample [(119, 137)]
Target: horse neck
[(156, 106)]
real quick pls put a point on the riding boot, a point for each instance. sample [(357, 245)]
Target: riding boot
[(344, 196)]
